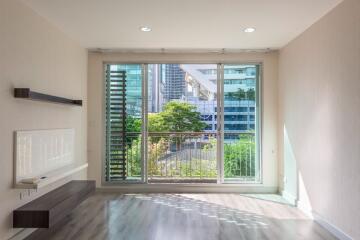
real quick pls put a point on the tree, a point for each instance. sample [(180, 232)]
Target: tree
[(156, 123), (175, 117), (251, 94), (181, 117), (239, 155), (133, 125)]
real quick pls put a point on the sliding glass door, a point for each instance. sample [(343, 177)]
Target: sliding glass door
[(241, 160), (182, 123)]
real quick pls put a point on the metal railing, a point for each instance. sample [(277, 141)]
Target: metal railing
[(190, 157), (133, 155), (182, 157), (240, 157)]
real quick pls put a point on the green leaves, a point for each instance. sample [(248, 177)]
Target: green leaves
[(156, 123), (239, 157), (176, 117), (133, 124), (242, 94)]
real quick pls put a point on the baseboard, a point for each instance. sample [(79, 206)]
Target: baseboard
[(330, 227), (186, 188), (289, 197)]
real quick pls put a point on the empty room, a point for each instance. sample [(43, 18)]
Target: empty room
[(180, 120)]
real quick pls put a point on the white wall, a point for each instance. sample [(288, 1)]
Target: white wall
[(35, 54), (319, 106), (96, 102)]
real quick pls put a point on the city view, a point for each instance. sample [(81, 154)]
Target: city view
[(182, 131)]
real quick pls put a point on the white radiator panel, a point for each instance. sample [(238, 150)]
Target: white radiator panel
[(39, 152)]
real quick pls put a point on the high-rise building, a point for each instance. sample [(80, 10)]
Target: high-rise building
[(239, 95), (196, 84), (154, 88), (172, 80), (133, 87)]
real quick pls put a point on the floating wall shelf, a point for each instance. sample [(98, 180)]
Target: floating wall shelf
[(26, 93)]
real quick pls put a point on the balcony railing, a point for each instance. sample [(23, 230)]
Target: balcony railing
[(191, 157), (241, 163), (182, 157)]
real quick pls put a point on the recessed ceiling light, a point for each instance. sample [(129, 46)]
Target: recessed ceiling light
[(249, 30), (145, 29)]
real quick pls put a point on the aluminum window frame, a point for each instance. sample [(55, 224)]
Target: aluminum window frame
[(220, 179)]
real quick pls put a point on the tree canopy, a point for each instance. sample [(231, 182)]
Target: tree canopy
[(178, 117), (175, 117)]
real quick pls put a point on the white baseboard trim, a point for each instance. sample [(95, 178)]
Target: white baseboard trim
[(337, 232), (22, 234), (186, 188), (289, 197)]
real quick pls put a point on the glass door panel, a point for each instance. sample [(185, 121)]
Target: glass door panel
[(181, 139), (241, 123)]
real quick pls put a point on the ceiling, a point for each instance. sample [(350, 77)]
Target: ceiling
[(182, 24)]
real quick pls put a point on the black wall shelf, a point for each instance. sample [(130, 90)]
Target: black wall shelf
[(47, 210), (26, 93)]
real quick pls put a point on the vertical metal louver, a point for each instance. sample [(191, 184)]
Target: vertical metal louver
[(115, 168)]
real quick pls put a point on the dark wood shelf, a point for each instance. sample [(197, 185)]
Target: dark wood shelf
[(26, 93), (52, 207)]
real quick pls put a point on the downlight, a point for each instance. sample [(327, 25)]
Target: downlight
[(249, 30), (145, 29)]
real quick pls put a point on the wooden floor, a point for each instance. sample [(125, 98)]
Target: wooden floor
[(187, 216)]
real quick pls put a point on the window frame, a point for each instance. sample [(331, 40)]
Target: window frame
[(220, 100)]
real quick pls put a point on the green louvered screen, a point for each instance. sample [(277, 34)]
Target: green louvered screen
[(115, 125)]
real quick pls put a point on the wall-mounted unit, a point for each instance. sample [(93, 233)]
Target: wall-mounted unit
[(43, 157)]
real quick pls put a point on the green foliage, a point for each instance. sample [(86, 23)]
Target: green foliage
[(133, 124), (133, 157), (239, 157), (181, 117), (133, 148), (156, 149), (196, 168), (175, 117), (156, 123), (173, 167), (241, 94)]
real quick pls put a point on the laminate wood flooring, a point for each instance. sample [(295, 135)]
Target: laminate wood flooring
[(186, 217)]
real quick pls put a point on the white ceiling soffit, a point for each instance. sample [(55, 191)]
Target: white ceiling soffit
[(182, 24)]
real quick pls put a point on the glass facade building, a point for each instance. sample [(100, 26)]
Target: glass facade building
[(187, 82), (239, 95)]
